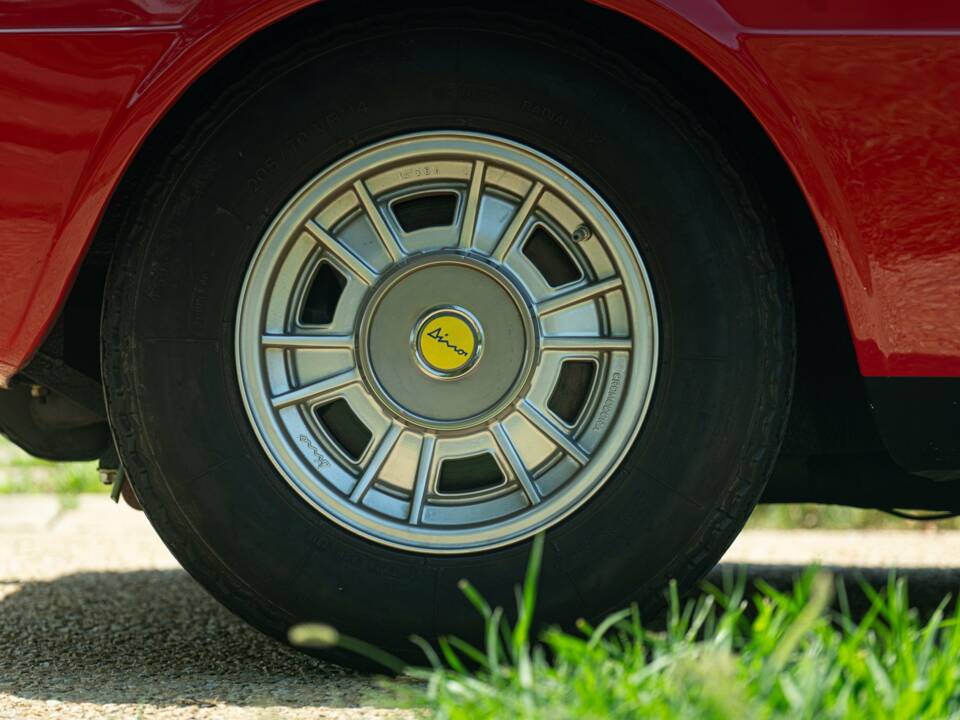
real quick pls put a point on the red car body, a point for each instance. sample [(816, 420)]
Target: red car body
[(830, 138), (862, 100)]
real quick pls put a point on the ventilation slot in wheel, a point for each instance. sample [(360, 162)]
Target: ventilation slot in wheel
[(550, 258), (572, 390), (322, 297), (476, 472), (425, 211), (344, 427)]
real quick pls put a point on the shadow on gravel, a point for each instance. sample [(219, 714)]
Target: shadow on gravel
[(151, 637), (157, 637)]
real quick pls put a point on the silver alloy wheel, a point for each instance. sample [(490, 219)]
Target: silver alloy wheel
[(446, 342)]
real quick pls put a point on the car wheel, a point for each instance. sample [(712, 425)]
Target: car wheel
[(413, 292)]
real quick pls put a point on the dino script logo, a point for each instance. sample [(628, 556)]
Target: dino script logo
[(440, 337), (447, 342)]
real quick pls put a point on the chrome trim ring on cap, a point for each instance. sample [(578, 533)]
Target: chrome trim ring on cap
[(430, 330)]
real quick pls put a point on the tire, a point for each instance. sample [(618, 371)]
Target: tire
[(724, 350)]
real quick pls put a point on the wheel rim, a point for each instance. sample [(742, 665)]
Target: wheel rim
[(446, 342)]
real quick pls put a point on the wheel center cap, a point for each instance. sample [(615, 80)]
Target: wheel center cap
[(448, 342)]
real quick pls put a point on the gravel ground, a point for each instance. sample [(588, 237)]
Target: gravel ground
[(97, 619)]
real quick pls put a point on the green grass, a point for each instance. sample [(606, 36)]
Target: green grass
[(21, 473), (723, 655)]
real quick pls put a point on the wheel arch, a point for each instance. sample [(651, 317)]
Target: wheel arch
[(683, 45), (828, 354)]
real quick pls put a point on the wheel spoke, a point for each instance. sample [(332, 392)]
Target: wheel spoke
[(512, 233), (341, 252), (586, 344), (468, 226), (317, 390), (424, 473), (577, 296), (309, 342), (554, 433), (372, 470), (508, 452), (385, 234)]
